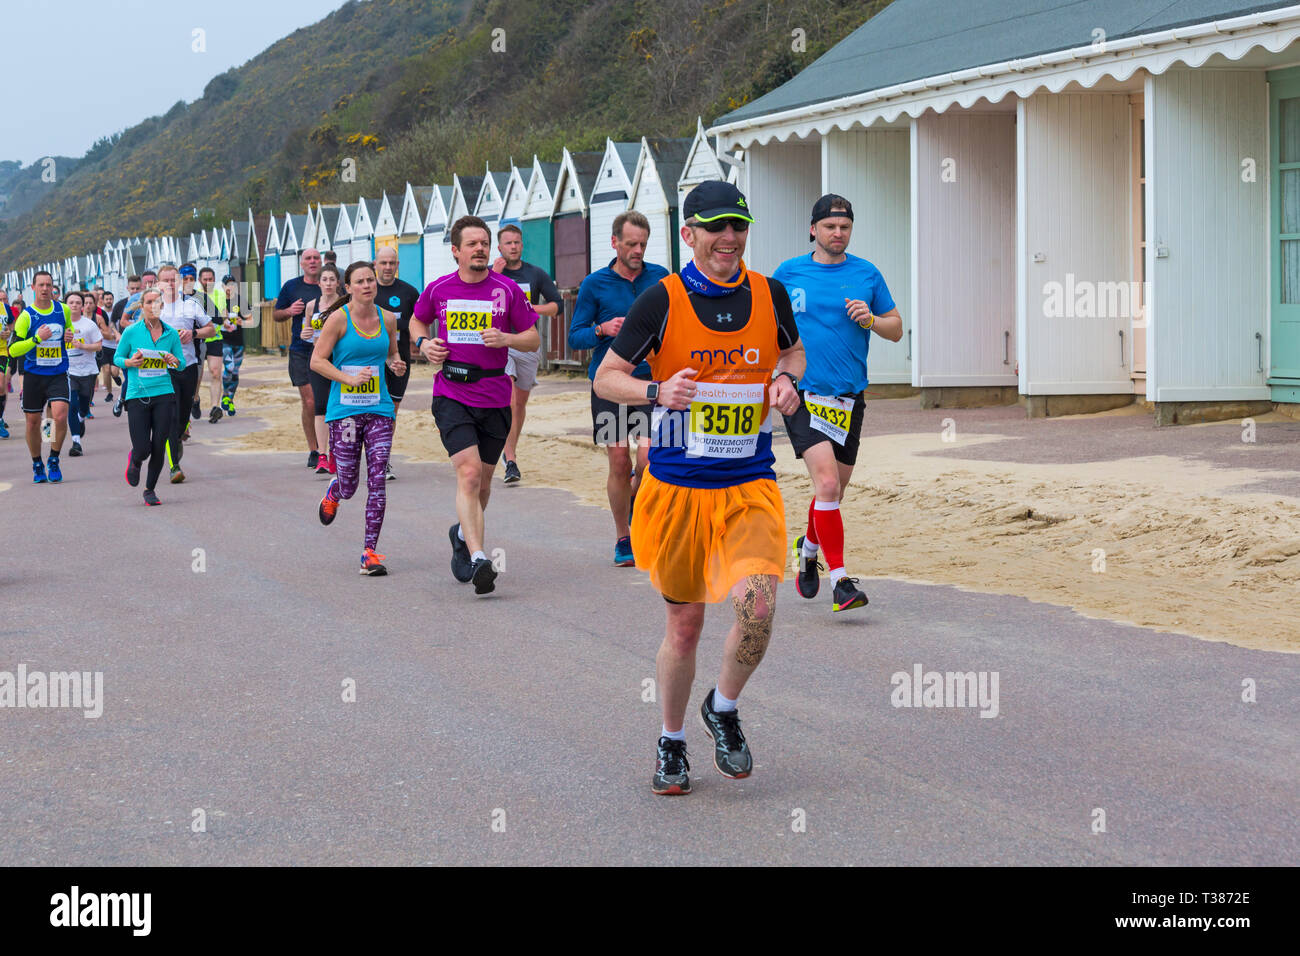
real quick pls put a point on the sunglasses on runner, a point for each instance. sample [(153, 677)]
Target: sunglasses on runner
[(717, 225)]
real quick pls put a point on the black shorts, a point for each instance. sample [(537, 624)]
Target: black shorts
[(299, 367), (105, 357), (9, 363), (39, 389), (397, 383), (320, 390), (463, 426), (613, 424), (803, 436), (211, 349)]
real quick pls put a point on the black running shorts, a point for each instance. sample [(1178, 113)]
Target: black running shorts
[(463, 426)]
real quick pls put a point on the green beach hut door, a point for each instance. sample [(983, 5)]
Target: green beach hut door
[(1284, 331)]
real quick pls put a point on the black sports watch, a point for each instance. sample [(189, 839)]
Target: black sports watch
[(790, 375), (652, 393)]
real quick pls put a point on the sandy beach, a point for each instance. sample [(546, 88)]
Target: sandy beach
[(1154, 541)]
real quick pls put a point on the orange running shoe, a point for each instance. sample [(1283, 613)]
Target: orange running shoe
[(328, 506), (372, 563)]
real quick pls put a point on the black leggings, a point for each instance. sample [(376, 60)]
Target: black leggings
[(185, 383), (150, 421), (82, 392)]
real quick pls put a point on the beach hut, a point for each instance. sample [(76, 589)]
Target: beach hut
[(490, 199), (464, 195), (535, 217), (654, 194), (610, 192), (410, 233), (363, 230), (571, 237), (271, 263), (1073, 177), (342, 238), (385, 225), (294, 226), (437, 253), (514, 196)]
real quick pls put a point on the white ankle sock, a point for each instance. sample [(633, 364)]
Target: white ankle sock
[(836, 574), (722, 705), (478, 555), (460, 533), (809, 549), (674, 734)]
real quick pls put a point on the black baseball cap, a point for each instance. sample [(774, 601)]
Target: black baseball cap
[(822, 209), (714, 199)]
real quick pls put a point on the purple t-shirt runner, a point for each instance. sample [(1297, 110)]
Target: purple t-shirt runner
[(472, 306)]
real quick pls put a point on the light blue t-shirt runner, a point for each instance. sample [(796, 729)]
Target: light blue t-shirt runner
[(353, 352), (835, 346)]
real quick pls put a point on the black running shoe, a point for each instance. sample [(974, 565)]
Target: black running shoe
[(150, 498), (215, 415), (462, 568), (484, 576), (117, 407), (671, 778), (75, 450), (806, 581), (312, 459), (132, 470), (847, 596), (195, 411), (731, 754), (512, 473)]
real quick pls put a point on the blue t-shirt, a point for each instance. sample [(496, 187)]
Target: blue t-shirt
[(296, 290), (835, 345), (351, 352)]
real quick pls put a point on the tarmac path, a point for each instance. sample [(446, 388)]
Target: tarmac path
[(512, 728)]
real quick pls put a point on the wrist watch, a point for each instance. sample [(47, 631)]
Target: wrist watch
[(652, 393), (790, 375), (419, 340)]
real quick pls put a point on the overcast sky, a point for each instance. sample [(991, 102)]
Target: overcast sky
[(119, 61)]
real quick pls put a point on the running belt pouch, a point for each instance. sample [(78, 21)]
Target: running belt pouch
[(468, 372)]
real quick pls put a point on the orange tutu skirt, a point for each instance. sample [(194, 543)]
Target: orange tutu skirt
[(697, 543)]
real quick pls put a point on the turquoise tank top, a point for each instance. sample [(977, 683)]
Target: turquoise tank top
[(352, 352)]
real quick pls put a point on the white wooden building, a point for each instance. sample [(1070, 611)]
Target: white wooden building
[(659, 169), (610, 192), (437, 251), (1089, 211)]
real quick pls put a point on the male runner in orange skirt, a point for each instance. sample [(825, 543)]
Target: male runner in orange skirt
[(724, 350)]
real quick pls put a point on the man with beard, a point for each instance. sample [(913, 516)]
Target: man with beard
[(465, 322)]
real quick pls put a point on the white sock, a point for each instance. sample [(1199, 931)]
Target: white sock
[(477, 555), (809, 549), (836, 574), (674, 734), (722, 705), (460, 533)]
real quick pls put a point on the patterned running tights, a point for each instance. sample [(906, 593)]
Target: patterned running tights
[(347, 435)]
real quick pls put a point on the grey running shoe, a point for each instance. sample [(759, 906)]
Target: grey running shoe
[(512, 473), (671, 777), (730, 752)]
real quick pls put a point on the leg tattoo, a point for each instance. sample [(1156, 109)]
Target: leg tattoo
[(755, 619)]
